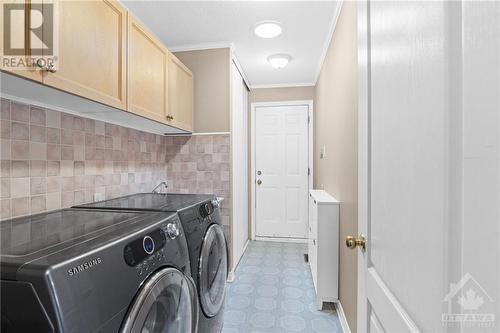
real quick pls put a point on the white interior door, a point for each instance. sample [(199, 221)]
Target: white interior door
[(239, 142), (429, 186), (281, 170)]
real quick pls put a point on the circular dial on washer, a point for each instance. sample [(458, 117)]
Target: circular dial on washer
[(206, 209), (148, 244)]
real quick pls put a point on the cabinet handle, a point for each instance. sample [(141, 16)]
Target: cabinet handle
[(42, 65), (51, 69), (170, 117), (314, 241)]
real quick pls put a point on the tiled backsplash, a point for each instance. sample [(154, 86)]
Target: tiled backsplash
[(200, 164), (52, 160)]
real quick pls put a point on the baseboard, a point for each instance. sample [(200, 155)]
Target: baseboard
[(243, 253), (231, 275), (282, 240), (342, 318)]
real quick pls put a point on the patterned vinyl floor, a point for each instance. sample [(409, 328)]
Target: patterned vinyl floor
[(273, 292)]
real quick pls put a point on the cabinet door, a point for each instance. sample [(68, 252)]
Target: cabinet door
[(92, 51), (180, 94), (20, 40), (147, 73)]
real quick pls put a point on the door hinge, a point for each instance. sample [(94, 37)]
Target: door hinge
[(308, 171), (308, 119)]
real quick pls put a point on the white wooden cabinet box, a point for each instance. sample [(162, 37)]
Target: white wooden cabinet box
[(323, 245)]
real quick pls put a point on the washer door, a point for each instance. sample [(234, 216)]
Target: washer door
[(212, 272), (165, 303)]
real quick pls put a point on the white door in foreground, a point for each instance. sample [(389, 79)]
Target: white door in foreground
[(429, 186), (281, 167)]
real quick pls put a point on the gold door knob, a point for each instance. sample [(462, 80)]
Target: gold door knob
[(352, 242), (259, 182)]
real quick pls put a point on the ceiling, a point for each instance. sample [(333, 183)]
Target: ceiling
[(188, 25)]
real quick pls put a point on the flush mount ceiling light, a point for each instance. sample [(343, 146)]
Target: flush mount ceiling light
[(279, 60), (268, 29)]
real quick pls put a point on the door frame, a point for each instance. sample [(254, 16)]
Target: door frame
[(363, 156), (310, 153)]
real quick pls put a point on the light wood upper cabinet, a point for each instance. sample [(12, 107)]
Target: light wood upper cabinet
[(92, 51), (147, 73), (20, 39), (180, 94), (108, 56)]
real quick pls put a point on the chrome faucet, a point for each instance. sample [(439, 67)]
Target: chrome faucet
[(159, 186)]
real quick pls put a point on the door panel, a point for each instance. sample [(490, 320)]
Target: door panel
[(427, 132), (281, 156), (410, 133), (92, 51), (147, 73), (292, 201), (407, 161)]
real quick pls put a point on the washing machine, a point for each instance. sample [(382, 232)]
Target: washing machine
[(201, 220), (77, 270)]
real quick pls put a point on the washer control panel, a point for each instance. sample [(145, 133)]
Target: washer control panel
[(151, 262), (143, 247)]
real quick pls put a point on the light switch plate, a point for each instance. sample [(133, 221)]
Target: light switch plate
[(322, 153)]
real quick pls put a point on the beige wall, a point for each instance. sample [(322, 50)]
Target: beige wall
[(336, 127), (280, 94), (211, 70)]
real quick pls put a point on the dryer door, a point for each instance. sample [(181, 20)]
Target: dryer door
[(165, 303), (212, 271)]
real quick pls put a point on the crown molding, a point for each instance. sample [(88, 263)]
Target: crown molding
[(328, 40), (240, 69), (283, 85), (202, 46)]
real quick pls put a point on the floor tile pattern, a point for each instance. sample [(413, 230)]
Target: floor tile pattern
[(273, 292)]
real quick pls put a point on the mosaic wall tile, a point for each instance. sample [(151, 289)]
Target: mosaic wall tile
[(52, 160), (200, 164)]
